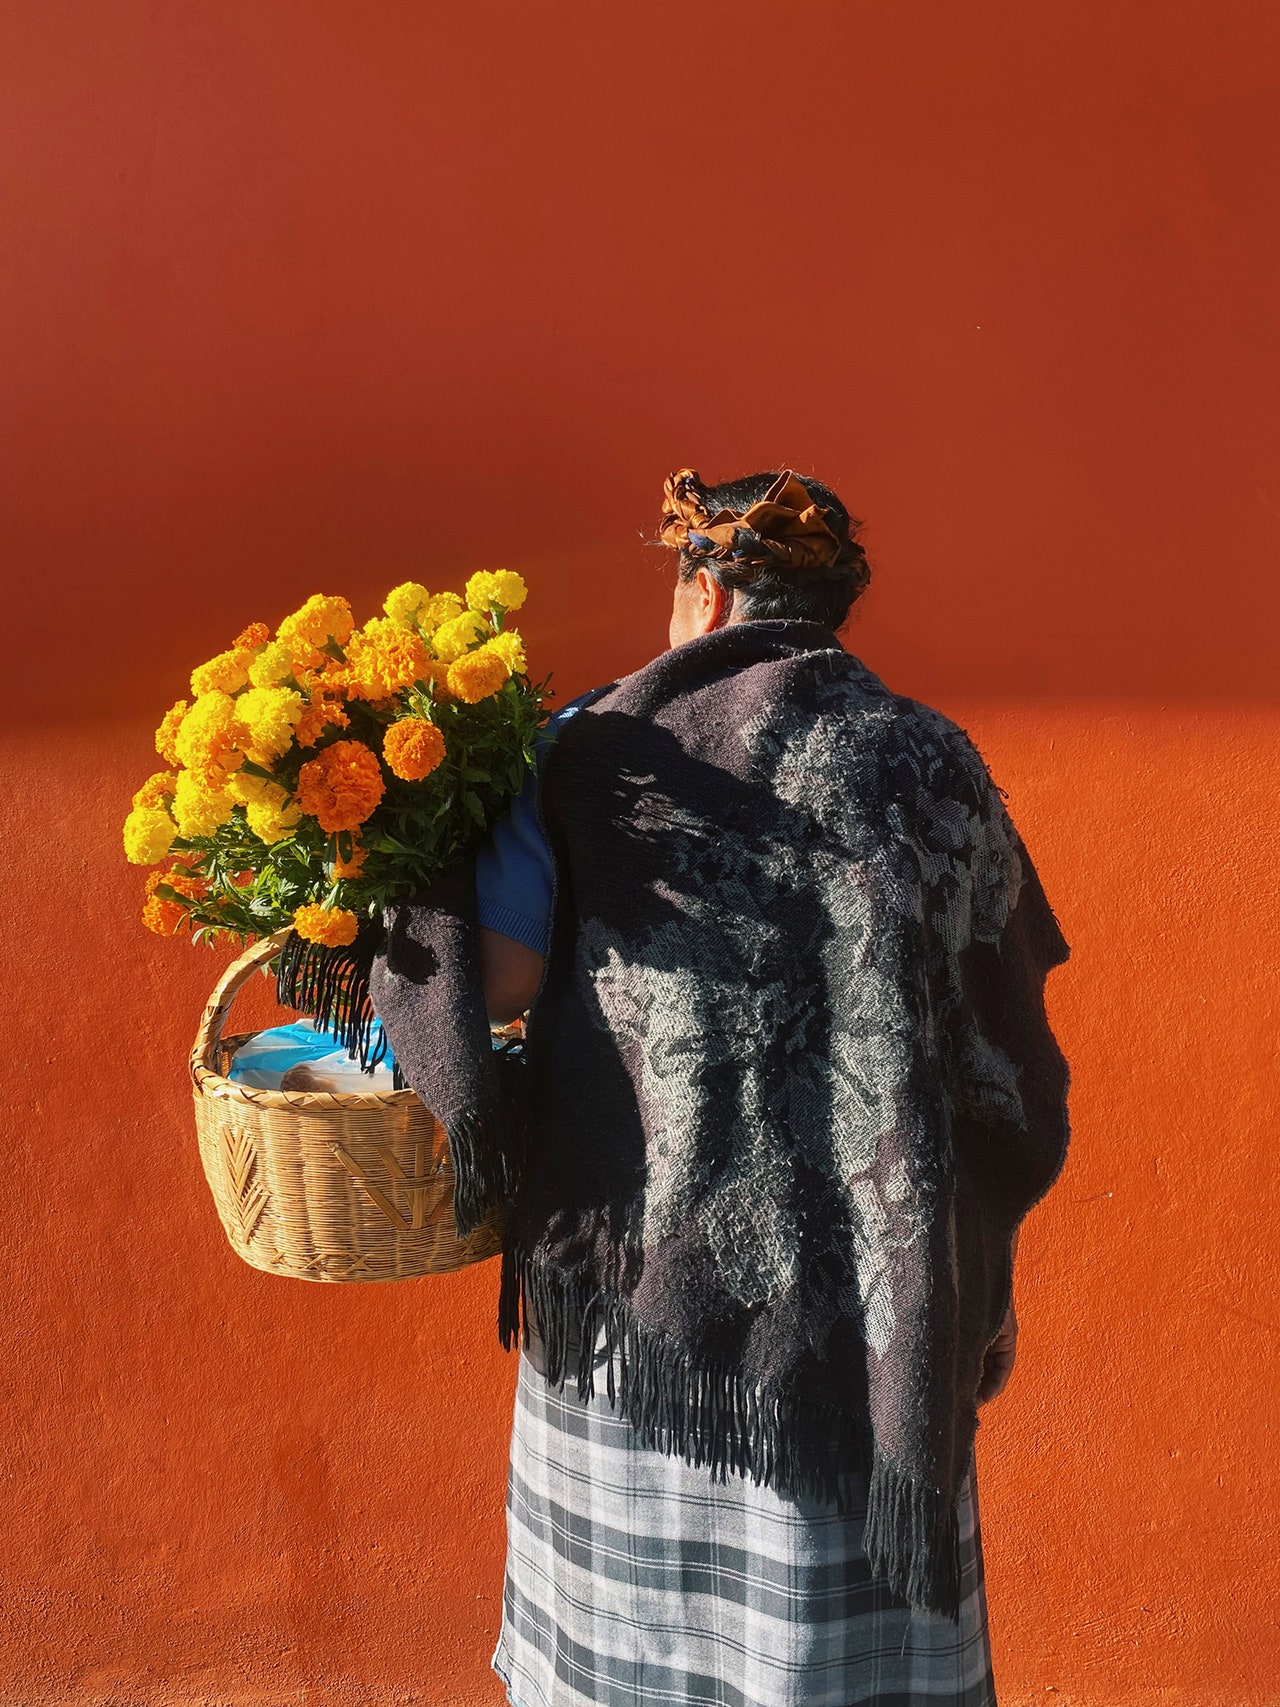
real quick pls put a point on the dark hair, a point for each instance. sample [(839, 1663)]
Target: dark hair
[(822, 593)]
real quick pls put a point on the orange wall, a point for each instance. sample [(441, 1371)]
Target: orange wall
[(318, 296)]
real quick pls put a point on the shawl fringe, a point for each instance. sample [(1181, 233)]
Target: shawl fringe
[(708, 1415), (331, 986), (486, 1157), (912, 1539)]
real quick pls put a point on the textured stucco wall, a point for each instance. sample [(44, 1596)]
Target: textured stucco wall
[(316, 297)]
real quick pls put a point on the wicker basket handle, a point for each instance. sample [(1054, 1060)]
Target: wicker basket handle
[(228, 987), (209, 1035)]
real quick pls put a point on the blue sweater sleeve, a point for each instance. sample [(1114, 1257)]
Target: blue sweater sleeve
[(514, 871)]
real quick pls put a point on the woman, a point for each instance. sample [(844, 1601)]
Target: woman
[(789, 1093)]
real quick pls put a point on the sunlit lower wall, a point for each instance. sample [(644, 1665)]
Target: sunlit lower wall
[(231, 1486), (318, 297)]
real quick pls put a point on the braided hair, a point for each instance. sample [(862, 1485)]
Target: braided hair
[(766, 586)]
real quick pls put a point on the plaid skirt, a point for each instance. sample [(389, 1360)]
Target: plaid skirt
[(634, 1578)]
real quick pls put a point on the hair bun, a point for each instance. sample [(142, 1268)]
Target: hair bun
[(785, 527)]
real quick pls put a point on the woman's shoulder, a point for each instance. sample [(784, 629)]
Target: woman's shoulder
[(935, 736), (562, 713)]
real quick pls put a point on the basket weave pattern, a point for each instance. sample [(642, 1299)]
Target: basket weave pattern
[(324, 1185)]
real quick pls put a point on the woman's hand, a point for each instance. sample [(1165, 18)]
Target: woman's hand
[(997, 1365)]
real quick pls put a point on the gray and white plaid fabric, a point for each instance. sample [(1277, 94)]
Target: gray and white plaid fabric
[(634, 1578)]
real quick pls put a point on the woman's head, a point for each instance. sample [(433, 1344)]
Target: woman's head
[(766, 546)]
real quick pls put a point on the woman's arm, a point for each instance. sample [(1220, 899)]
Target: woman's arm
[(998, 1363), (510, 973)]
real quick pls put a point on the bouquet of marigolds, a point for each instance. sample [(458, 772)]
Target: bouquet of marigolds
[(317, 773)]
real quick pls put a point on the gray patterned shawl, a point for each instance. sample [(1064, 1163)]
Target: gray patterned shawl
[(790, 1086)]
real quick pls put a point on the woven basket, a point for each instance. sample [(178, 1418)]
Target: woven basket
[(319, 1185)]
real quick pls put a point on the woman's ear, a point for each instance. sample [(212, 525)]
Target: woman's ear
[(714, 605), (699, 605)]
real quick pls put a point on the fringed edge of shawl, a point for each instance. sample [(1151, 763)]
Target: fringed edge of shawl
[(706, 1414), (709, 1416), (485, 1149), (331, 986), (912, 1539)]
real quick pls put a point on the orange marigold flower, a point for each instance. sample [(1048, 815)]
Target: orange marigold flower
[(319, 715), (341, 786), (328, 676), (382, 658), (167, 733), (335, 927), (249, 639), (162, 915), (438, 675), (476, 675), (321, 619), (413, 748), (350, 867)]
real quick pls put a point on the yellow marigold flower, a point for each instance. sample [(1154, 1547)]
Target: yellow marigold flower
[(269, 820), (476, 675), (382, 658), (404, 603), (159, 913), (199, 807), (249, 639), (322, 618), (490, 589), (442, 608), (413, 748), (273, 665), (268, 717), (335, 927), (245, 789), (510, 648), (208, 741), (268, 809), (156, 789), (167, 733), (319, 715), (350, 867), (452, 638), (226, 673), (148, 835), (341, 786)]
